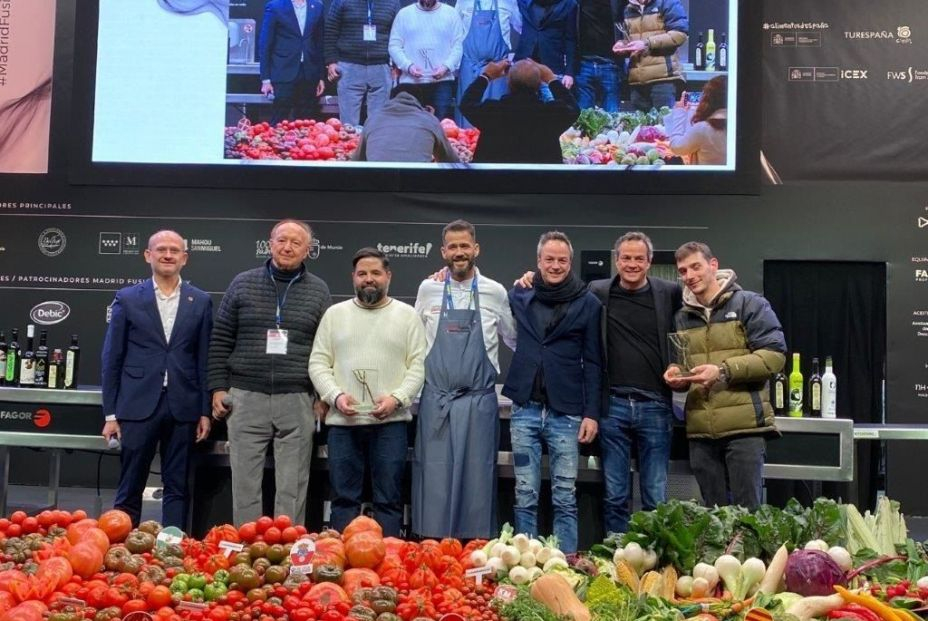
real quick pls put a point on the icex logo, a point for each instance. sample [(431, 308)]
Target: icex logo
[(731, 315)]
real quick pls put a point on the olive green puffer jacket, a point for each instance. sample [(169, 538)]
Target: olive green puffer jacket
[(741, 332), (663, 25)]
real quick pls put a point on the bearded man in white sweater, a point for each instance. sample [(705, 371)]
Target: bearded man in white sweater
[(426, 43), (368, 362)]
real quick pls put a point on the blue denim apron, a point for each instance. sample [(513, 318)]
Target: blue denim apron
[(484, 43)]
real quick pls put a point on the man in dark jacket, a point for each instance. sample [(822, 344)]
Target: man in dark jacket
[(519, 128), (404, 131), (734, 344), (554, 382), (259, 359), (291, 55), (638, 315), (599, 80), (549, 36)]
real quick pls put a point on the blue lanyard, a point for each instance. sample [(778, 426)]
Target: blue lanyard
[(370, 12), (281, 300), (473, 292)]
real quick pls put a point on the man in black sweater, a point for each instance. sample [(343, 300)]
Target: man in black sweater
[(600, 78), (519, 127), (259, 362), (356, 36), (638, 315)]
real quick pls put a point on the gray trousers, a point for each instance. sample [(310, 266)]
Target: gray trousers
[(733, 463), (257, 420), (354, 83)]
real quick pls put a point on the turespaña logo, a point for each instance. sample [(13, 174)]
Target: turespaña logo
[(52, 242), (49, 313), (903, 34), (412, 250), (42, 418)]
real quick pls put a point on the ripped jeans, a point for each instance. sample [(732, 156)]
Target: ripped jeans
[(530, 425)]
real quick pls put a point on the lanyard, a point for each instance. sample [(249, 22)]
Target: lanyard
[(281, 300), (370, 12), (473, 292)]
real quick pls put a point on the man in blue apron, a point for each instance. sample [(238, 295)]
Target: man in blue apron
[(454, 468), (488, 38)]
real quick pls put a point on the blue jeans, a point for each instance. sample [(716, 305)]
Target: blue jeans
[(383, 448), (648, 423), (532, 424), (647, 96), (439, 95), (598, 83)]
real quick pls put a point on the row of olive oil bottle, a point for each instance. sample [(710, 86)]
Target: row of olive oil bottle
[(38, 367), (794, 396)]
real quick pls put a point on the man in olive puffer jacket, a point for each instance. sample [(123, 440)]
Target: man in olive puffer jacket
[(735, 343), (655, 28)]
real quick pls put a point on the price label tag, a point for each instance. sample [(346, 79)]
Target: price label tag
[(230, 547), (867, 434), (478, 573), (506, 593), (73, 601), (301, 556), (168, 536), (182, 605)]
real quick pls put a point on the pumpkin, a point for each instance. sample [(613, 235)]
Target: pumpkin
[(86, 559), (97, 537), (76, 529), (361, 524), (365, 549), (116, 524), (326, 593), (330, 551), (355, 578), (558, 596)]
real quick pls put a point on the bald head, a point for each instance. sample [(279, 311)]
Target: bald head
[(165, 235), (524, 76), (166, 255)]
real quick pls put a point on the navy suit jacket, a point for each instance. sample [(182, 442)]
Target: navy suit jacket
[(571, 356), (550, 39), (281, 46), (136, 355)]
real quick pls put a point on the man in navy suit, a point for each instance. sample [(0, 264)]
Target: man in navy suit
[(290, 49), (554, 382), (549, 36), (154, 378)]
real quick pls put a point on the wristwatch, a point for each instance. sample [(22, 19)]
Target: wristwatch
[(723, 374)]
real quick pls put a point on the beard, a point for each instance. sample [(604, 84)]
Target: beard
[(427, 4), (369, 296), (461, 272)]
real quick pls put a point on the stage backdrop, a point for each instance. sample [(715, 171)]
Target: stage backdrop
[(65, 249)]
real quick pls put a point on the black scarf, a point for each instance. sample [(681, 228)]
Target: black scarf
[(559, 296)]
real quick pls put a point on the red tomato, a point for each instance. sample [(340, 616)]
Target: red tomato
[(134, 605), (272, 535), (300, 529), (4, 523), (263, 523), (46, 518), (78, 515), (18, 517), (14, 530), (248, 531), (30, 525), (289, 534), (283, 521)]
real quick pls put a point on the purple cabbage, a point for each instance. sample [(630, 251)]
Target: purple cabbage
[(813, 572)]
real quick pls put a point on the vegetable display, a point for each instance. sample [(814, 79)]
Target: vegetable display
[(65, 566)]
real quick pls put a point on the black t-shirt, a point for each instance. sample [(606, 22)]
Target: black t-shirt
[(632, 341), (596, 32)]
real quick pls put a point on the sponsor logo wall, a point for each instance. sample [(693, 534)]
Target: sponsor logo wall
[(842, 82)]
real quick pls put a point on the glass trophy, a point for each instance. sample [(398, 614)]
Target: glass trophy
[(363, 390), (680, 352)]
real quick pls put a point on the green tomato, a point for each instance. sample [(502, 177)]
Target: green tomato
[(179, 586), (197, 581), (214, 591), (196, 595), (182, 578), (222, 576)]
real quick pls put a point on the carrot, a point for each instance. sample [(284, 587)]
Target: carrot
[(739, 606), (886, 613)]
